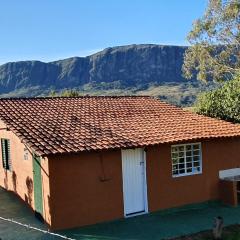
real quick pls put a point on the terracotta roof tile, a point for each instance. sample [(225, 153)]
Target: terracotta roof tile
[(58, 125)]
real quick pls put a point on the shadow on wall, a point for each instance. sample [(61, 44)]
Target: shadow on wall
[(6, 179), (29, 197), (49, 207), (14, 181)]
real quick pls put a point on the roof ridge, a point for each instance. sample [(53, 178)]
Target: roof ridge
[(84, 96)]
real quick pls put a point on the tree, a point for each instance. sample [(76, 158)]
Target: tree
[(221, 103), (53, 93), (65, 93), (70, 93), (214, 52)]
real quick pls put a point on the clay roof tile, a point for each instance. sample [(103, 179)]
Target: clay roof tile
[(59, 125)]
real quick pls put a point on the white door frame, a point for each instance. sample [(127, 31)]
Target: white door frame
[(145, 181), (144, 186)]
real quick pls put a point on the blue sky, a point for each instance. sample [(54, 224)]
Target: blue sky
[(48, 30)]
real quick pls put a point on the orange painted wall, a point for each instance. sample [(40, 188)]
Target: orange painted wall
[(164, 191), (81, 198), (20, 178), (228, 192), (84, 189)]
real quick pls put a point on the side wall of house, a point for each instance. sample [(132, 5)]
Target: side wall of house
[(87, 188), (20, 178)]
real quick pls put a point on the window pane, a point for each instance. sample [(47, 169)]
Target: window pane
[(181, 148), (181, 160), (196, 169), (189, 165), (196, 164), (196, 152), (189, 147), (174, 149), (196, 158), (181, 166), (174, 155), (175, 161), (189, 170), (181, 154), (175, 167), (175, 172), (181, 171), (189, 153), (196, 146), (188, 159)]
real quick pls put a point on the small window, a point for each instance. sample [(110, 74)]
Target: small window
[(5, 144), (186, 159)]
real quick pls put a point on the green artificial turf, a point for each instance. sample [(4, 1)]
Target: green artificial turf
[(164, 224)]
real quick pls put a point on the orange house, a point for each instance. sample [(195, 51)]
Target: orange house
[(84, 160)]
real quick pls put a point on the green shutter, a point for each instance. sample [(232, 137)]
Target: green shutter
[(6, 161), (9, 162), (3, 153)]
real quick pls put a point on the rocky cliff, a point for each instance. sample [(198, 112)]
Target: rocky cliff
[(117, 67)]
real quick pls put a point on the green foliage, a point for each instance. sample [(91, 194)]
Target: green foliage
[(221, 103), (70, 93), (65, 93), (53, 93), (215, 43)]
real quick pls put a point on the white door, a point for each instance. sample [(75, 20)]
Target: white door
[(134, 181)]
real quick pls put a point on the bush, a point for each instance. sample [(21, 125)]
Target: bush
[(223, 103), (65, 93)]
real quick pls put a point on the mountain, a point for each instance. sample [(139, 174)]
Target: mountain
[(132, 69)]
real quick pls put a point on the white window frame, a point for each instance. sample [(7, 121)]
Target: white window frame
[(200, 159)]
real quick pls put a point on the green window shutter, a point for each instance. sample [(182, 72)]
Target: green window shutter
[(3, 153), (6, 161), (8, 157)]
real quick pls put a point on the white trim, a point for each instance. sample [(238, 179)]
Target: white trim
[(135, 214), (200, 159), (185, 144), (187, 174), (145, 181)]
